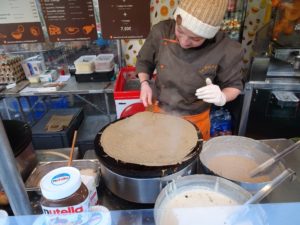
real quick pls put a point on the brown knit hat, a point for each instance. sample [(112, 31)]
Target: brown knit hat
[(202, 17)]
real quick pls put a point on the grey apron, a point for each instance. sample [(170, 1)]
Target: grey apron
[(178, 78)]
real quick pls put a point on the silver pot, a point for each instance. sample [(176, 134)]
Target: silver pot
[(205, 215), (19, 135), (141, 190), (26, 161), (240, 146), (20, 138)]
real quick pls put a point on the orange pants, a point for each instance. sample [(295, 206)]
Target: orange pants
[(201, 120)]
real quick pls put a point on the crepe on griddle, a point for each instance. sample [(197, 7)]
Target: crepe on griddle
[(151, 139)]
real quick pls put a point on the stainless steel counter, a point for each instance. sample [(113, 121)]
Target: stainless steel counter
[(278, 84), (126, 213), (286, 192), (71, 88)]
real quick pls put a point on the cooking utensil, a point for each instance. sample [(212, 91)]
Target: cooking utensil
[(142, 171), (268, 188), (44, 153), (257, 197), (242, 147), (267, 164), (73, 147), (214, 184), (141, 190), (217, 185), (140, 183)]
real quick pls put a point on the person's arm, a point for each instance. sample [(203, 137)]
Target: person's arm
[(146, 63), (146, 91), (229, 79), (231, 93), (212, 93), (143, 77), (147, 56)]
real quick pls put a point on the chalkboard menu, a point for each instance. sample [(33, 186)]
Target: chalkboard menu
[(19, 22), (69, 20)]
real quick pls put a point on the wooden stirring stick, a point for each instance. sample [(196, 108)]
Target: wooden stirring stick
[(73, 147)]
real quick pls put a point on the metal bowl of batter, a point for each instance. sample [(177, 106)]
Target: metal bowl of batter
[(233, 157)]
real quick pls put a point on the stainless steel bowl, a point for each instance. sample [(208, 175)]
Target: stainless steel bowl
[(205, 215), (141, 190), (240, 146)]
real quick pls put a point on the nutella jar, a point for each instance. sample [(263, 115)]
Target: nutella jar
[(63, 192)]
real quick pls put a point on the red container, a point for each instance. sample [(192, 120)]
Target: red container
[(127, 93)]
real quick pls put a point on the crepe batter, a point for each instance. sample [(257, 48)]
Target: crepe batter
[(192, 199), (150, 139), (235, 168)]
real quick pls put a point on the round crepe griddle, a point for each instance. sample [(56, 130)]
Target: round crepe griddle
[(144, 171)]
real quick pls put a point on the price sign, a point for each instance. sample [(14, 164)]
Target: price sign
[(122, 19)]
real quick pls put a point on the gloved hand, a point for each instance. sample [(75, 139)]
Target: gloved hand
[(211, 93)]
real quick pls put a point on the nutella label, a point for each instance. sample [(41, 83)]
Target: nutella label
[(60, 179), (82, 207)]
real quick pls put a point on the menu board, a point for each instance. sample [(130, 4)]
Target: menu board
[(124, 18), (19, 22), (69, 20)]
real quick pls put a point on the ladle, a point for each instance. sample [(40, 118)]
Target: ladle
[(262, 167), (268, 188), (261, 194)]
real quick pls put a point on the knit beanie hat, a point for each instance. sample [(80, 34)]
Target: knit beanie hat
[(202, 17)]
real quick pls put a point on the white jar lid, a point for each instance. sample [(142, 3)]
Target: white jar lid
[(60, 183), (100, 215), (3, 217)]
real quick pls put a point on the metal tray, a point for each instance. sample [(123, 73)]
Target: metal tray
[(286, 98), (33, 181)]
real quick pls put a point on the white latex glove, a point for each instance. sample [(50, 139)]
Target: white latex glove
[(211, 93)]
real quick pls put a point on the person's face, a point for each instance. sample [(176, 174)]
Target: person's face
[(186, 38)]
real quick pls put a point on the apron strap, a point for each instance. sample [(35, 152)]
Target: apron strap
[(171, 40)]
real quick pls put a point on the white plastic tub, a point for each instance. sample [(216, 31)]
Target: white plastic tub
[(85, 64), (104, 62)]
